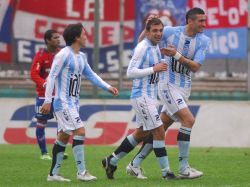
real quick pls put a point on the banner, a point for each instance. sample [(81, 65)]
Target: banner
[(40, 15), (6, 13), (227, 22), (108, 122)]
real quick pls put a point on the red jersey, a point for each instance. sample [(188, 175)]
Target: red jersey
[(40, 69)]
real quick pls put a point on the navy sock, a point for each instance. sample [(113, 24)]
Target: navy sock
[(40, 136)]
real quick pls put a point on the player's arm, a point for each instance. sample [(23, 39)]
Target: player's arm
[(35, 71), (57, 65), (134, 70), (97, 81), (191, 64)]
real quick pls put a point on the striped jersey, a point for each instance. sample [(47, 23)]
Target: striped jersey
[(141, 69), (194, 48), (65, 77)]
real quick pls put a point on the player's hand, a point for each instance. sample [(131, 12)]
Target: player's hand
[(45, 109), (113, 90), (168, 51), (160, 67), (151, 16)]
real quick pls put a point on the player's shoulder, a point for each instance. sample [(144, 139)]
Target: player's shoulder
[(171, 29), (142, 45), (204, 39)]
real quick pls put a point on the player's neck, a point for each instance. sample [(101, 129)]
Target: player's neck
[(189, 31), (51, 49), (76, 48)]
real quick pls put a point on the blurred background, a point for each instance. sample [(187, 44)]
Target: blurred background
[(112, 33)]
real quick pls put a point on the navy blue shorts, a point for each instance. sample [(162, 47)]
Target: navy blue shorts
[(38, 115)]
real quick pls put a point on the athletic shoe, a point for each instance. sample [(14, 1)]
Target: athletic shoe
[(85, 176), (135, 171), (46, 157), (190, 173), (65, 156), (109, 168), (57, 178), (169, 176)]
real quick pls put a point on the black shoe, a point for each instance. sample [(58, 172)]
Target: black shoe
[(110, 169), (65, 156), (169, 176)]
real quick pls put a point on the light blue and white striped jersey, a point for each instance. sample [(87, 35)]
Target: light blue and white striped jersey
[(141, 68), (194, 48), (65, 77)]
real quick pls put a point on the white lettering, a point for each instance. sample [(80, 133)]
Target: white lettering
[(243, 6), (212, 20), (89, 8), (112, 61), (23, 51), (233, 16), (3, 47), (224, 43), (233, 41), (70, 12), (221, 8)]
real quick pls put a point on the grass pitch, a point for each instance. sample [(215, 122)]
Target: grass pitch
[(20, 165)]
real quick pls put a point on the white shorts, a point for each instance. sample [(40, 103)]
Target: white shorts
[(68, 120), (146, 110), (173, 100)]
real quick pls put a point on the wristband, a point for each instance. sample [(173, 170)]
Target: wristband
[(177, 55)]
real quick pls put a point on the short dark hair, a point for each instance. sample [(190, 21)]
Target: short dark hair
[(153, 21), (48, 35), (191, 14), (71, 32)]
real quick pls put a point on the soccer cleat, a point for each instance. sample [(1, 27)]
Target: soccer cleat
[(57, 178), (190, 173), (85, 176), (135, 171), (109, 168), (65, 156), (169, 176), (46, 156)]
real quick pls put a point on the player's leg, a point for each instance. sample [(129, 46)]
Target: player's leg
[(187, 120), (127, 145), (147, 145), (74, 122), (161, 152), (40, 129), (58, 150)]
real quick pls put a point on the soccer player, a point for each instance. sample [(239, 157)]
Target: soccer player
[(144, 68), (39, 71), (185, 48), (68, 66)]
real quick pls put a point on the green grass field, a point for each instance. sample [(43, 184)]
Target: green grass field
[(20, 166)]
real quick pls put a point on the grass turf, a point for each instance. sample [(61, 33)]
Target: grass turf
[(20, 165)]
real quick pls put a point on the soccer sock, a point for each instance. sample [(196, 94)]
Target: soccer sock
[(161, 155), (125, 147), (40, 136), (78, 151), (183, 139), (58, 150), (144, 151)]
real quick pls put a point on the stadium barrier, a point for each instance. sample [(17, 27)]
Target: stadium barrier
[(107, 122)]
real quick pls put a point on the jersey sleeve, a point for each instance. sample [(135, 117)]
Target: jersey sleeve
[(93, 77), (35, 70), (200, 54), (57, 66), (135, 65)]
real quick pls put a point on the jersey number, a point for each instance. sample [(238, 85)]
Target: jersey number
[(74, 85), (154, 78), (179, 68)]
